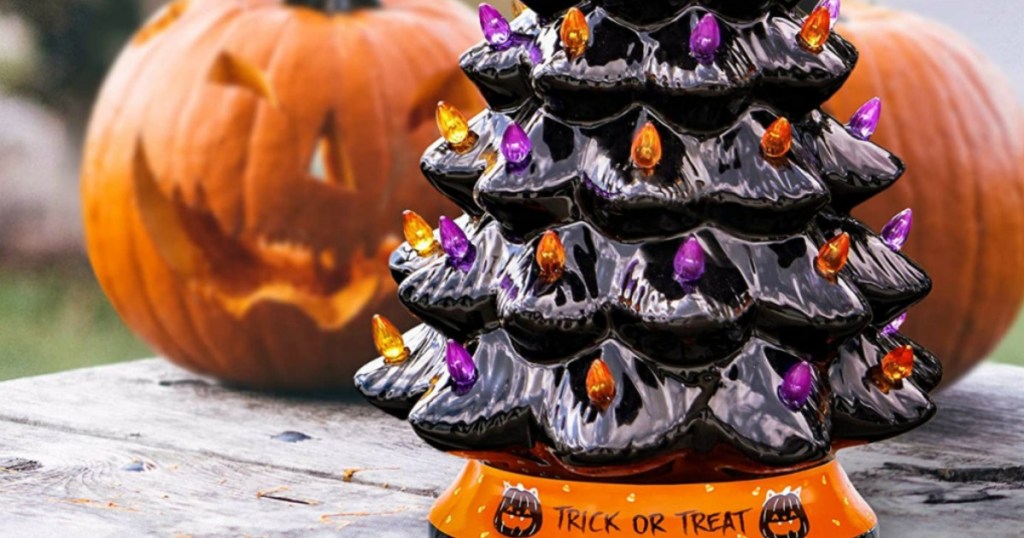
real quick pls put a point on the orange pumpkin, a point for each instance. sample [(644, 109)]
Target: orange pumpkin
[(953, 118), (245, 172)]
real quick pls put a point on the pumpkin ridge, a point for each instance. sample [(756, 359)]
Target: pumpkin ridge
[(917, 71), (108, 151), (253, 115), (1008, 316), (146, 182), (174, 166), (393, 176), (969, 332), (104, 143), (245, 198), (203, 340), (384, 188), (988, 148), (199, 339), (878, 74), (250, 111), (974, 244), (166, 342)]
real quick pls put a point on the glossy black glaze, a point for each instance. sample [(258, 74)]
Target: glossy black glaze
[(585, 173), (652, 412), (656, 414), (336, 6), (627, 292), (760, 61), (697, 370), (651, 65), (396, 389), (854, 169), (503, 75), (455, 173), (650, 12), (890, 281), (864, 409), (647, 12), (550, 7), (541, 194), (456, 302)]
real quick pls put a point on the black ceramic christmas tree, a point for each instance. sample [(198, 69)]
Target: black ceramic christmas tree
[(657, 304)]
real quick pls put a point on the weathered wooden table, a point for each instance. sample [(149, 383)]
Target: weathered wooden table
[(147, 449)]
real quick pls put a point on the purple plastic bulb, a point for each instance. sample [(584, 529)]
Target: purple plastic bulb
[(896, 231), (833, 6), (496, 29), (536, 55), (515, 144), (894, 326), (797, 385), (461, 253), (461, 367), (865, 120), (689, 262), (705, 39)]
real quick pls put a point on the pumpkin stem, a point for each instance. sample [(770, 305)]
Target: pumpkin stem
[(335, 6)]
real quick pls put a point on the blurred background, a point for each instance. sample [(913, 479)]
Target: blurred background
[(53, 56)]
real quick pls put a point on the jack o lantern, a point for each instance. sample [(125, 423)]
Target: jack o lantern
[(245, 172), (954, 120), (783, 515), (519, 514)]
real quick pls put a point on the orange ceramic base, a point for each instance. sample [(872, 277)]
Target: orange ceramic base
[(818, 503)]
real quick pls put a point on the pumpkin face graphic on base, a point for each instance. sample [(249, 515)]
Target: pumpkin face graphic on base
[(783, 515), (519, 513)]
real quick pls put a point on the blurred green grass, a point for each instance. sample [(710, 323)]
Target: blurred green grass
[(58, 319), (1010, 350)]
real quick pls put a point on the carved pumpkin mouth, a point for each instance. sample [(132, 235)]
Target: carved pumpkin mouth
[(785, 527), (240, 273), (512, 521)]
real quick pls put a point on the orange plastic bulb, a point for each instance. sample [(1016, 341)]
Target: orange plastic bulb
[(898, 364), (550, 256), (575, 33), (600, 385), (816, 29), (833, 256), (419, 234), (454, 127), (647, 147), (518, 8), (777, 139), (389, 341)]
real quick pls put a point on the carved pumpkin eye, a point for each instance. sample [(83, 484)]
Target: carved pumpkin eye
[(232, 70), (161, 21)]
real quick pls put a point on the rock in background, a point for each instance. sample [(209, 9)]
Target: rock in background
[(39, 209), (53, 56)]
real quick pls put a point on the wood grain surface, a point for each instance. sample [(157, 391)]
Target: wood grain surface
[(147, 449)]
